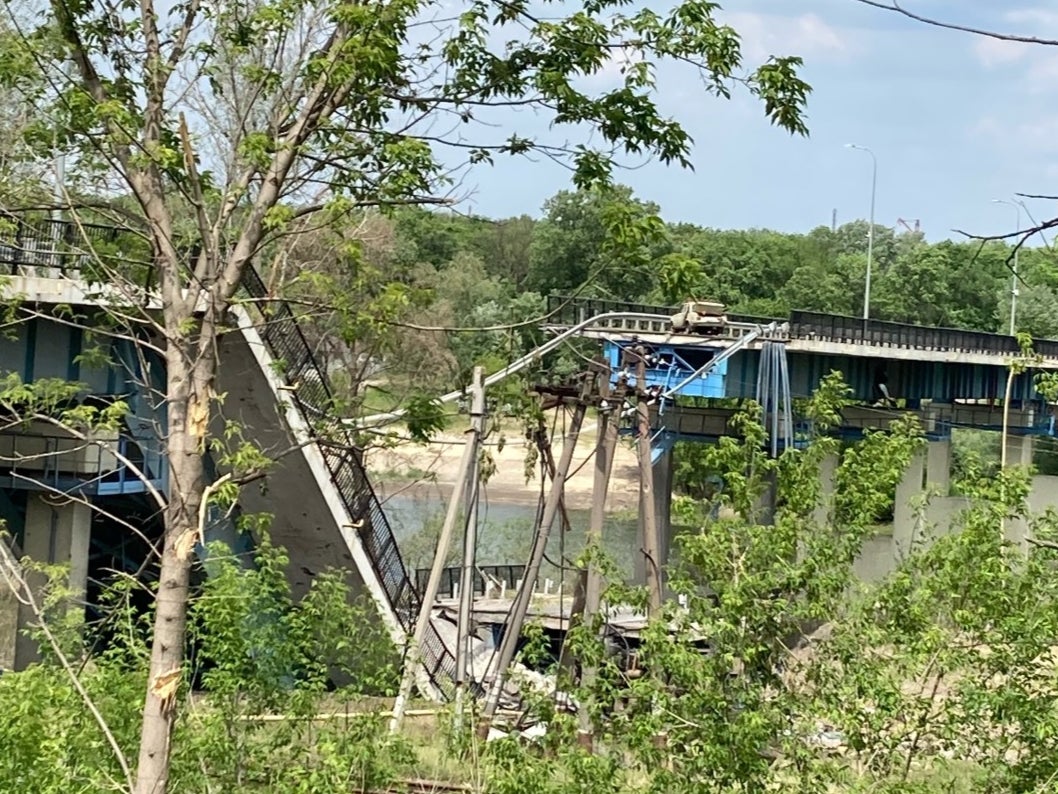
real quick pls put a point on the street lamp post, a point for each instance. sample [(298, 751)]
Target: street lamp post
[(870, 229), (1014, 281)]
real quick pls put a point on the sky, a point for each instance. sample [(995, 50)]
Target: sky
[(955, 121)]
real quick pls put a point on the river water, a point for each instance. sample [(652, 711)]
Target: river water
[(505, 534)]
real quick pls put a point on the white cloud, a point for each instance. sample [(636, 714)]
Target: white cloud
[(806, 35), (1036, 64), (1043, 73), (1040, 19), (612, 72), (1040, 134), (1037, 135), (762, 35), (996, 52)]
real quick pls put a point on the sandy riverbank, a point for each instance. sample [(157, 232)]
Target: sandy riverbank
[(424, 469)]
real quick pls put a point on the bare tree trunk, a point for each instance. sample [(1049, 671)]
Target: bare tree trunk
[(188, 396)]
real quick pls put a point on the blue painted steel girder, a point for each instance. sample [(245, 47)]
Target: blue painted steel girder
[(914, 381), (673, 365)]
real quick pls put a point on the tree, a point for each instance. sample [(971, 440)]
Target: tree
[(21, 179), (829, 286), (744, 269), (603, 239), (227, 124), (504, 245)]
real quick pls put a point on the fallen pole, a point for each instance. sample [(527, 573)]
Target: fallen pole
[(412, 659), (470, 541)]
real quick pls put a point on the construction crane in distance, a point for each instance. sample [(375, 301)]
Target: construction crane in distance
[(906, 225)]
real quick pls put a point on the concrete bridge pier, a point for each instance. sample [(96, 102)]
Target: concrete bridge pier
[(662, 500), (56, 533), (923, 507), (1020, 450), (828, 470)]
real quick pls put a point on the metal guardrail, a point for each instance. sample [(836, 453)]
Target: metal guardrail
[(828, 328), (882, 333), (313, 399), (46, 247), (59, 461), (485, 577), (570, 311)]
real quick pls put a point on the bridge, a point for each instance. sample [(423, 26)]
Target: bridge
[(325, 509), (915, 363), (948, 378)]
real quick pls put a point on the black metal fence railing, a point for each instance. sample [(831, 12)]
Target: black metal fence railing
[(486, 578), (838, 328), (95, 252), (314, 400)]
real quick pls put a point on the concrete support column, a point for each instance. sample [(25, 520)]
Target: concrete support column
[(1020, 450), (57, 534), (9, 612), (938, 466), (766, 502), (663, 505), (662, 496), (828, 471), (905, 520)]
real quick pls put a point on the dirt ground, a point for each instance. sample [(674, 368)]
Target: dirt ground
[(425, 468)]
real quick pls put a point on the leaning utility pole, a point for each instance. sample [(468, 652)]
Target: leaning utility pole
[(648, 519), (513, 631), (605, 449), (411, 661), (470, 540)]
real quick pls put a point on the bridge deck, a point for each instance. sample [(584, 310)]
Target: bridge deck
[(808, 332)]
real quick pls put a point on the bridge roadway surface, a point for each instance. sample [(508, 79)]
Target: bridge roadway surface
[(915, 363)]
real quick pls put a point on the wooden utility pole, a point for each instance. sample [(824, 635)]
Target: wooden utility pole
[(470, 541), (605, 449), (444, 542), (647, 513), (548, 456), (513, 631)]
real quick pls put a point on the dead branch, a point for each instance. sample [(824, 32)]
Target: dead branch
[(1021, 238), (897, 8)]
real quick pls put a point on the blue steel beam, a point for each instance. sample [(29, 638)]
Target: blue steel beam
[(913, 381)]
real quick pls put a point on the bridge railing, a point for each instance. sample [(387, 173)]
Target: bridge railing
[(485, 577), (313, 398), (566, 311), (58, 461), (33, 245), (853, 330)]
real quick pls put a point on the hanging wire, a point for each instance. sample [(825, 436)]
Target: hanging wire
[(773, 395), (538, 518)]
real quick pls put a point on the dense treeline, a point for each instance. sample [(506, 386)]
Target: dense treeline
[(462, 272)]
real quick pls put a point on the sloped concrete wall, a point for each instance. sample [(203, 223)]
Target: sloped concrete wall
[(309, 518), (302, 522)]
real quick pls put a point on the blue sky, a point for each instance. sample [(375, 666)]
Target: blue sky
[(954, 119)]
